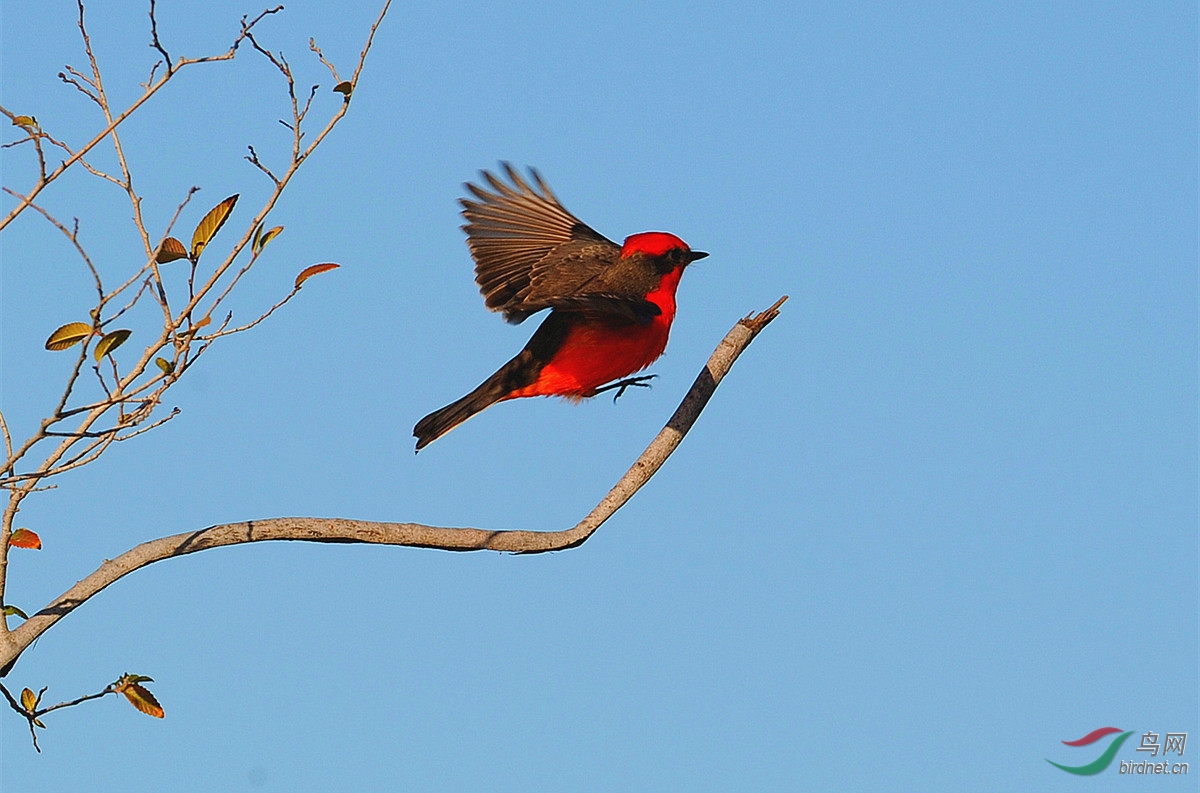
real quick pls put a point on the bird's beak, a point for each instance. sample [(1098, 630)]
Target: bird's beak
[(694, 255)]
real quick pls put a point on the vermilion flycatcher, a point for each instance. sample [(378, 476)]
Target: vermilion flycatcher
[(610, 305)]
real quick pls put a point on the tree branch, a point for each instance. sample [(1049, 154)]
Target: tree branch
[(408, 534)]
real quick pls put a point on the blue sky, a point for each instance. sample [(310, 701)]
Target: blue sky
[(941, 516)]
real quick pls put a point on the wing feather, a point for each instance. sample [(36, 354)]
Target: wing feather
[(530, 252)]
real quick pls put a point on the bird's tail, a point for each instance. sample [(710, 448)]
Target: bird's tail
[(513, 375), (439, 422)]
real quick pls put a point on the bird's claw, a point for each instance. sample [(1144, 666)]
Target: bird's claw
[(642, 381)]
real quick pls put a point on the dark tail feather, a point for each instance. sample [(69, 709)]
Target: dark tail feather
[(513, 375), (520, 372), (439, 422)]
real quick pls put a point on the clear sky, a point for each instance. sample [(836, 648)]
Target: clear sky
[(941, 517)]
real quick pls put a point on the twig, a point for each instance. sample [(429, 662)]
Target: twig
[(8, 447), (253, 158), (156, 44), (312, 45), (73, 236), (241, 329), (33, 716), (174, 412), (47, 178)]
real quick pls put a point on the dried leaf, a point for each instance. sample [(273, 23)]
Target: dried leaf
[(206, 321), (38, 722), (170, 250), (257, 234), (28, 700), (144, 701), (267, 236), (24, 538), (110, 342), (345, 88), (309, 272), (166, 366), (68, 335), (138, 696), (13, 611), (211, 224)]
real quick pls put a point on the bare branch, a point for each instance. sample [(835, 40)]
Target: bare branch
[(156, 44), (151, 89), (253, 158), (8, 447), (312, 45), (362, 58), (73, 236), (174, 412), (408, 534), (75, 79), (241, 329)]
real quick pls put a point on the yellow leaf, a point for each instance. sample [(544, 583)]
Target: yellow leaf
[(211, 224), (170, 250), (142, 699), (207, 320), (266, 237), (166, 366), (345, 88), (110, 342), (28, 700), (68, 335), (13, 611), (24, 538), (309, 272)]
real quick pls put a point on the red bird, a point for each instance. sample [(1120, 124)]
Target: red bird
[(610, 305)]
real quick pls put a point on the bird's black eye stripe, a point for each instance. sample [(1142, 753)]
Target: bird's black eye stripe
[(669, 260)]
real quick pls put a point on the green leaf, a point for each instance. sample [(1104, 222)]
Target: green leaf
[(211, 224), (266, 237), (166, 366), (68, 335), (13, 611), (110, 342)]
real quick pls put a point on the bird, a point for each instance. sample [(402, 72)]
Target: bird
[(611, 306)]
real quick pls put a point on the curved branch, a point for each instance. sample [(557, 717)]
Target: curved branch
[(408, 534)]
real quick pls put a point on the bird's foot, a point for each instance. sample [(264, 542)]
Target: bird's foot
[(642, 381)]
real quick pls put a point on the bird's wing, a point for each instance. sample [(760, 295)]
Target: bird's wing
[(600, 305), (531, 253)]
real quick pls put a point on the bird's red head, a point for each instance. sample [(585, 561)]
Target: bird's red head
[(659, 243)]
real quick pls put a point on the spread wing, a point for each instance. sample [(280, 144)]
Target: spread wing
[(531, 253)]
